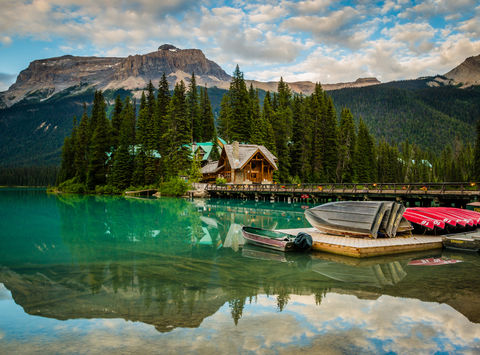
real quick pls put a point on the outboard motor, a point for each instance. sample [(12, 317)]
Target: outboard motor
[(303, 241)]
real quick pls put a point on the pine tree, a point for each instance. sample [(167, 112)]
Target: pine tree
[(225, 123), (258, 126), (81, 147), (206, 114), (100, 145), (193, 110), (179, 132), (215, 154), (238, 96), (329, 135), (268, 117), (123, 163), (150, 140), (299, 150), (282, 123), (364, 154), (116, 122), (346, 147), (316, 111), (163, 99)]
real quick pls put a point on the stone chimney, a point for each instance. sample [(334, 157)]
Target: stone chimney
[(236, 150)]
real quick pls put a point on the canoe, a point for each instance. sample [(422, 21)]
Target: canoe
[(423, 219), (430, 213), (277, 240), (352, 218)]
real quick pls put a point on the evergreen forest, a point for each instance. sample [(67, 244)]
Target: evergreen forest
[(148, 144)]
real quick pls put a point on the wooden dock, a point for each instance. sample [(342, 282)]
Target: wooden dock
[(149, 192), (367, 247), (447, 194)]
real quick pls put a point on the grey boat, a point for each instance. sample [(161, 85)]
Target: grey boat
[(357, 218)]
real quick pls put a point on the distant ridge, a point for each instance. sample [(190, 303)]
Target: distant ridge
[(466, 74)]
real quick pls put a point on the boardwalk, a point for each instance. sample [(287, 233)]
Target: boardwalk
[(444, 193)]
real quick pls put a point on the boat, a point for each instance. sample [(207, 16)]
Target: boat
[(352, 218), (462, 241), (423, 220), (277, 240), (432, 219)]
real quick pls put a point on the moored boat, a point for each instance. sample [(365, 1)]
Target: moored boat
[(352, 218), (277, 240)]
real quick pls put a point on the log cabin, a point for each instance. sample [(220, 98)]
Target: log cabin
[(242, 164)]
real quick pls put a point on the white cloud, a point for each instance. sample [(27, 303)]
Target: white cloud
[(417, 37)]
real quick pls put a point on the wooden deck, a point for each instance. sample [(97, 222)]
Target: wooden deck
[(366, 247)]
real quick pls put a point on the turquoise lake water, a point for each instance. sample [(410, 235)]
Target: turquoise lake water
[(90, 274)]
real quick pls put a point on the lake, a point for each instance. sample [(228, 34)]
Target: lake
[(95, 274)]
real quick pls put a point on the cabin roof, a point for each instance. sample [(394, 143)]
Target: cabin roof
[(245, 152), (211, 168)]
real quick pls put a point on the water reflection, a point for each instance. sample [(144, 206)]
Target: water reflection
[(175, 264)]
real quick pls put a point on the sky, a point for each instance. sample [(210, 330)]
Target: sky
[(324, 41)]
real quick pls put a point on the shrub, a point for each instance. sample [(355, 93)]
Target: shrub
[(220, 181), (174, 187), (72, 186)]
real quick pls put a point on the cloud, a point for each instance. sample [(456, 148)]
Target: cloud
[(312, 40), (417, 37), (5, 81), (339, 27), (431, 8), (340, 324)]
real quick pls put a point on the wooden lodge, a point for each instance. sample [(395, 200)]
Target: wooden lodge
[(242, 164)]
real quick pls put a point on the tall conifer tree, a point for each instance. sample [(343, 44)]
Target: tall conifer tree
[(346, 147), (193, 110), (364, 154), (100, 145), (207, 119)]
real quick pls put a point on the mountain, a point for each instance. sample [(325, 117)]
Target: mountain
[(36, 112), (466, 74), (46, 77), (307, 87)]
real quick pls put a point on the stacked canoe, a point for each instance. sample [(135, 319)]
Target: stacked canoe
[(359, 218), (440, 220)]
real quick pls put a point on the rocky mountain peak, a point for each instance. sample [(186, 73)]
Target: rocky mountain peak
[(466, 74), (168, 47)]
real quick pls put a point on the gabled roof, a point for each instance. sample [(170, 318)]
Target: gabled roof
[(211, 168), (245, 152)]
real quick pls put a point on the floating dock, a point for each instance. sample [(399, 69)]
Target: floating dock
[(368, 247)]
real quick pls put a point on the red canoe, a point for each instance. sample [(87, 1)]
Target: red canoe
[(423, 220), (439, 216)]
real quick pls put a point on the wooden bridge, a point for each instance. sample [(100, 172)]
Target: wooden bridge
[(455, 193)]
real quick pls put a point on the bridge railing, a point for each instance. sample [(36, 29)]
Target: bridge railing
[(342, 188)]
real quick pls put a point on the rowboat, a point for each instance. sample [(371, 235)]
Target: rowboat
[(462, 241), (353, 218), (277, 240)]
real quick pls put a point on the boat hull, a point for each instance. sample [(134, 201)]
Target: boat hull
[(350, 218), (270, 239)]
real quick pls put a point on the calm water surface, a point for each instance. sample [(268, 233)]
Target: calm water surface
[(112, 275)]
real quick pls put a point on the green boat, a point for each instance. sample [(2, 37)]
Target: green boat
[(277, 240)]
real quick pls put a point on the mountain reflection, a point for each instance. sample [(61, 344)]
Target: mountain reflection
[(172, 263)]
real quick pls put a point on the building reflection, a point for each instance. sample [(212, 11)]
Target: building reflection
[(172, 263)]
